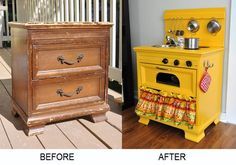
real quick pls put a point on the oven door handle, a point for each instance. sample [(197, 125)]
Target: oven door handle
[(167, 69)]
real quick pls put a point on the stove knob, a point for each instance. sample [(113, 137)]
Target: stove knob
[(165, 61), (188, 63), (176, 62)]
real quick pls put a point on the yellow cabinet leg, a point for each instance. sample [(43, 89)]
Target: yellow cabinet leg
[(144, 121), (216, 121), (194, 137)]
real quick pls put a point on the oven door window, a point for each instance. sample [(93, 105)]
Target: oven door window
[(167, 78)]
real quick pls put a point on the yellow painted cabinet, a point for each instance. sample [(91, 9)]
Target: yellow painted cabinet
[(183, 80), (180, 72)]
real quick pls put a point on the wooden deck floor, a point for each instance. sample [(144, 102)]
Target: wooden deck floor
[(64, 135), (157, 135)]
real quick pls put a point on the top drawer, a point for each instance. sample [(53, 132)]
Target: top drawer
[(62, 59), (58, 35)]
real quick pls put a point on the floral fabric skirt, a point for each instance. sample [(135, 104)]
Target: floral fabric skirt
[(166, 106)]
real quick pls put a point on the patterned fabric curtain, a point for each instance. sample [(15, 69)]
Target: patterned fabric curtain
[(166, 106)]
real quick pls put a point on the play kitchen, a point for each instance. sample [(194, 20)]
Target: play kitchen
[(180, 82)]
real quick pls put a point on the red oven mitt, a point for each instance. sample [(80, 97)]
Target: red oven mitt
[(205, 82)]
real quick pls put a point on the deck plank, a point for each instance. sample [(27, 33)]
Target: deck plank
[(7, 84), (115, 120), (117, 97), (5, 59), (5, 69), (4, 142), (4, 74), (80, 136), (107, 133), (18, 138), (14, 126), (53, 138)]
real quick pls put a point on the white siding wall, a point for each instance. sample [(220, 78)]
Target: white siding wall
[(231, 88)]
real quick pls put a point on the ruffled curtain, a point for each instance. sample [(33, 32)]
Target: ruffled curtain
[(168, 107)]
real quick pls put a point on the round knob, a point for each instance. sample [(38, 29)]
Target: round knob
[(176, 62), (165, 61), (189, 63)]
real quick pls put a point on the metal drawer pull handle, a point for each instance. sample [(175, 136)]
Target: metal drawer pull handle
[(63, 94), (62, 60), (163, 68)]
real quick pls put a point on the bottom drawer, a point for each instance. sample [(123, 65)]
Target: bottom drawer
[(76, 92)]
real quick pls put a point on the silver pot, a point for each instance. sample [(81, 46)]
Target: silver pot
[(213, 26), (191, 43)]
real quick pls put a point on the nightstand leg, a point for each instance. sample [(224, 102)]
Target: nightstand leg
[(216, 121), (98, 117), (36, 130), (194, 137), (144, 121)]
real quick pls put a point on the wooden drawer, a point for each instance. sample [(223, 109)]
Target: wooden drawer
[(66, 34), (62, 59), (51, 95)]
